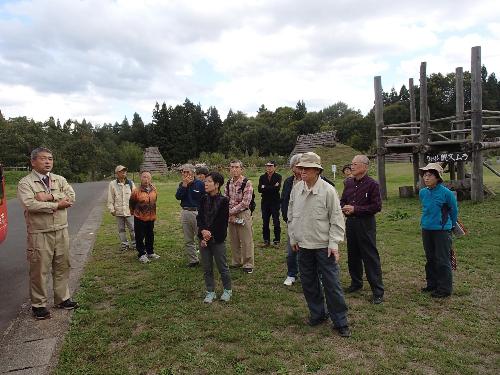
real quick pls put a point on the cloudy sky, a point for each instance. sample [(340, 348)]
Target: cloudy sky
[(103, 60)]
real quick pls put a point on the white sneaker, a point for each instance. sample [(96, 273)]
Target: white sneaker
[(289, 280), (153, 256), (226, 296), (210, 297), (144, 259)]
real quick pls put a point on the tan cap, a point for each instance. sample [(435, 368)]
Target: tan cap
[(120, 168), (310, 160), (432, 167)]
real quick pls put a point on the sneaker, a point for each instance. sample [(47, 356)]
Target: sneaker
[(144, 259), (316, 322), (289, 281), (193, 264), (265, 244), (248, 270), (276, 243), (40, 313), (343, 331), (352, 289), (68, 305), (377, 300), (427, 289), (153, 256), (438, 294), (210, 297), (226, 295)]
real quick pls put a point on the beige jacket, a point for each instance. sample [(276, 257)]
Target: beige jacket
[(315, 219), (44, 216), (119, 197)]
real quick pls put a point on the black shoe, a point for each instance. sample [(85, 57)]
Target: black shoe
[(438, 294), (316, 322), (352, 289), (343, 331), (248, 270), (427, 289), (276, 243), (40, 313), (193, 264), (377, 300), (68, 305)]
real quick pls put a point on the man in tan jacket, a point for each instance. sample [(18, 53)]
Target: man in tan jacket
[(316, 226), (45, 197), (119, 192)]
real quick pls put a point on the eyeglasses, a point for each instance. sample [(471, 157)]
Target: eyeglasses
[(428, 174)]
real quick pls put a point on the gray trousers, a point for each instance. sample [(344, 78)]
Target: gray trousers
[(121, 222), (190, 230), (217, 252)]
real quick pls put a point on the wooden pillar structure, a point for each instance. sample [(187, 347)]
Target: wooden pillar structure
[(379, 123), (424, 117), (413, 118), (459, 113), (477, 192)]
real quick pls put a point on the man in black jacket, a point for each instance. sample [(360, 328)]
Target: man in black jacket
[(269, 187)]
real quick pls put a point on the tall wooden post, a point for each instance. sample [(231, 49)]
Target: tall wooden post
[(413, 118), (459, 113), (424, 116), (379, 123), (477, 193)]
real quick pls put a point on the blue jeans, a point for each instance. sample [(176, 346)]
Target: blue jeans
[(312, 263), (292, 260)]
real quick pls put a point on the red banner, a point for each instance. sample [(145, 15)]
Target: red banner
[(3, 207)]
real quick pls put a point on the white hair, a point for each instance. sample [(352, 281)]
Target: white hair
[(294, 160)]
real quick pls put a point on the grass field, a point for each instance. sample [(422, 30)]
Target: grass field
[(150, 319)]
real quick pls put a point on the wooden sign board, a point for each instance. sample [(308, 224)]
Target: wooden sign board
[(448, 157)]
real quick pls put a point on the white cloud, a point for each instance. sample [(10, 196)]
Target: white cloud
[(103, 60)]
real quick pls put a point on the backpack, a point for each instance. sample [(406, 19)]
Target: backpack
[(243, 185)]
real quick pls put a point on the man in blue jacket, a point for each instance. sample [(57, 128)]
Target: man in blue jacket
[(439, 216), (189, 192)]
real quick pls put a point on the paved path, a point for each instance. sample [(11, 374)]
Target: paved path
[(13, 264)]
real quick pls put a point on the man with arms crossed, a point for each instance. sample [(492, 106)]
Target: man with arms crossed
[(45, 197)]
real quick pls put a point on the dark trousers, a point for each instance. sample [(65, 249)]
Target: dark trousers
[(217, 252), (313, 264), (362, 250), (144, 236), (437, 246), (268, 210)]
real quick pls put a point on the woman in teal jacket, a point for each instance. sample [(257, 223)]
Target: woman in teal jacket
[(439, 216)]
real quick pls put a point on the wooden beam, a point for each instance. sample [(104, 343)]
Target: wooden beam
[(424, 116), (477, 192), (379, 125), (414, 132), (459, 114)]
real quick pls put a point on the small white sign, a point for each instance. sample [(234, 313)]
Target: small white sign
[(334, 168)]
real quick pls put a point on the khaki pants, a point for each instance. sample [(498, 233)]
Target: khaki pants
[(122, 222), (45, 251), (241, 237), (190, 230)]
